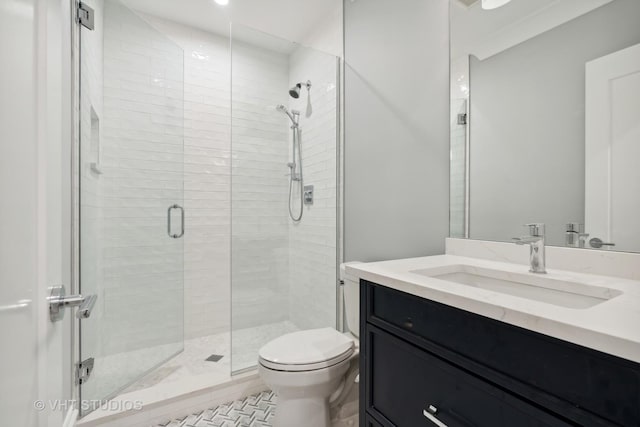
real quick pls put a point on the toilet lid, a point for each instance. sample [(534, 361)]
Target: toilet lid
[(306, 350)]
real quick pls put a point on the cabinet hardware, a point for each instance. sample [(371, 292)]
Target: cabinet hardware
[(430, 414)]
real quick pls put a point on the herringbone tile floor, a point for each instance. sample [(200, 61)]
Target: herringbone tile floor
[(253, 411)]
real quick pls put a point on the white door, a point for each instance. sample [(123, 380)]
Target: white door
[(34, 376), (612, 199)]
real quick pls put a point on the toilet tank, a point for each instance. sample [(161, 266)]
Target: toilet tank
[(351, 295)]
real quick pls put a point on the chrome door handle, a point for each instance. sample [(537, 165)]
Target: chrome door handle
[(58, 301), (431, 416), (84, 311), (598, 243), (173, 235)]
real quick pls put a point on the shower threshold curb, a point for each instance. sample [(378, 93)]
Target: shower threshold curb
[(166, 402)]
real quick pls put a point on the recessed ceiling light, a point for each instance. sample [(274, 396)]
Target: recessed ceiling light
[(493, 4), (222, 2)]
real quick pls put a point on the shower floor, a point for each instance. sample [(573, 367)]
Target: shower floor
[(192, 363)]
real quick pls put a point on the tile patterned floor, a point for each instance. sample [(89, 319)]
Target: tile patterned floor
[(253, 411)]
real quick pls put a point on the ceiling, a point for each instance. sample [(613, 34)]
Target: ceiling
[(486, 32), (292, 20)]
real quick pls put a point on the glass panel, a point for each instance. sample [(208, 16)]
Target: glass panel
[(131, 173), (283, 271)]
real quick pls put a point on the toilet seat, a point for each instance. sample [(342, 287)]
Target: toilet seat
[(306, 350)]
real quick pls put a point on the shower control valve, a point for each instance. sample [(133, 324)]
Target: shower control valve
[(308, 194)]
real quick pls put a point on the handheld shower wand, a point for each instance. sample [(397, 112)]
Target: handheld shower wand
[(296, 154)]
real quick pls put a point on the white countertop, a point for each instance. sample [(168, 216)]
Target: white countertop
[(612, 326)]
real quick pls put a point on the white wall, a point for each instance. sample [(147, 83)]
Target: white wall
[(396, 128), (328, 34), (34, 140), (527, 124), (18, 251)]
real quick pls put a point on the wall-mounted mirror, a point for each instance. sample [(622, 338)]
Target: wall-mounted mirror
[(545, 121)]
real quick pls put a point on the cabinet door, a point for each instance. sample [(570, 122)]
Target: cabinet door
[(584, 385), (410, 387)]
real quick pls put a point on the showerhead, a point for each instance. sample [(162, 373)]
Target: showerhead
[(294, 92)]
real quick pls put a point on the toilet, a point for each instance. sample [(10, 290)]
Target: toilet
[(313, 371)]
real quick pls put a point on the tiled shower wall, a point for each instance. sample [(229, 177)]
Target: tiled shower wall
[(130, 169), (458, 169), (312, 241), (281, 270), (254, 246), (207, 180), (142, 175), (259, 187)]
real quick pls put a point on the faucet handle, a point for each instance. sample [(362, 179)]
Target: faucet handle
[(536, 229), (574, 227)]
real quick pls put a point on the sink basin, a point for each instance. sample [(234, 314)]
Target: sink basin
[(524, 285)]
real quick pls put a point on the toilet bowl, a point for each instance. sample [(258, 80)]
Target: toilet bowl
[(312, 371), (305, 369)]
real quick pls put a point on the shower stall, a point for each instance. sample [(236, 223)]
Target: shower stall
[(195, 226)]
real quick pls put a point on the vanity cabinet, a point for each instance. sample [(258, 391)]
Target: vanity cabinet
[(427, 364)]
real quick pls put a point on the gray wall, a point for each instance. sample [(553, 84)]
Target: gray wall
[(396, 128), (527, 124)]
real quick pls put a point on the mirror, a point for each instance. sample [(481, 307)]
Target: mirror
[(545, 121)]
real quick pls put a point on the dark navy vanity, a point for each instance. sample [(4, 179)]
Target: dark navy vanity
[(428, 364)]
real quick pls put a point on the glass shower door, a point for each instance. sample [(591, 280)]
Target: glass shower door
[(131, 186)]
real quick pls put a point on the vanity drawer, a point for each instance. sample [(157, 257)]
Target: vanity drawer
[(405, 381), (564, 377)]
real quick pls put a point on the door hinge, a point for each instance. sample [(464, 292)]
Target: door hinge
[(85, 16), (83, 370), (462, 119)]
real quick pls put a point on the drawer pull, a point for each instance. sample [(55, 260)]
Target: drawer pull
[(408, 323), (430, 414)]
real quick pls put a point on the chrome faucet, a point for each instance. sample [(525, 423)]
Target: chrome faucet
[(535, 240)]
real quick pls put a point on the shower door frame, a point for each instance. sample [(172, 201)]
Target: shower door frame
[(73, 202)]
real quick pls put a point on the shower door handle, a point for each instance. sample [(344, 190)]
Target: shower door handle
[(173, 235)]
